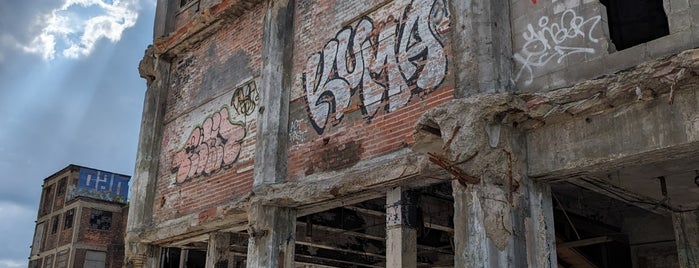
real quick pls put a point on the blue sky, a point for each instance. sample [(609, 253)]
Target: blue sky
[(70, 93)]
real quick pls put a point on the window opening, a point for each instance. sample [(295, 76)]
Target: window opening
[(61, 187), (634, 22), (100, 219), (54, 224), (68, 223)]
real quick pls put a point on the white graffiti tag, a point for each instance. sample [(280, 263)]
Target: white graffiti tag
[(552, 41), (385, 62)]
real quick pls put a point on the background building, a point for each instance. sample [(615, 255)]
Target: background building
[(419, 133), (81, 219)]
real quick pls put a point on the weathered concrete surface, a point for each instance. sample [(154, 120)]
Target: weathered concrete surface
[(504, 219), (686, 226), (271, 147), (272, 233), (618, 120), (156, 71), (218, 254), (483, 30)]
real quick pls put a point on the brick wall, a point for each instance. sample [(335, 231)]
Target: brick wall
[(364, 72), (98, 237), (209, 134)]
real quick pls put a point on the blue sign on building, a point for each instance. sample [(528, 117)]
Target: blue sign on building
[(102, 185)]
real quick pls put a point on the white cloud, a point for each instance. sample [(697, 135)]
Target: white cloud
[(12, 263), (75, 28)]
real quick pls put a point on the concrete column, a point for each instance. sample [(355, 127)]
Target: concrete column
[(145, 174), (272, 233), (275, 87), (218, 254), (401, 235), (491, 230), (482, 50), (686, 226)]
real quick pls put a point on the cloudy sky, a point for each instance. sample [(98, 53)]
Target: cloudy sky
[(70, 93)]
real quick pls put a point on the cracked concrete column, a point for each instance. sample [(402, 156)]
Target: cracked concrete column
[(401, 235), (502, 218), (686, 226), (490, 231), (217, 252), (155, 71), (272, 229)]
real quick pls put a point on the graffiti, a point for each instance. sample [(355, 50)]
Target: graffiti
[(101, 185), (534, 2), (386, 63), (549, 42), (216, 143), (245, 99)]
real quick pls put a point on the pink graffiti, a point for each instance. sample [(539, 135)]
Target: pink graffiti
[(534, 2), (210, 147)]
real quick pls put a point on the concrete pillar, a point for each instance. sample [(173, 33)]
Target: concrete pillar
[(145, 174), (275, 86), (686, 226), (272, 233), (482, 58), (218, 254), (494, 229), (401, 233)]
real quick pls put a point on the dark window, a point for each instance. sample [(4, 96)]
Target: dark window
[(68, 222), (634, 22), (61, 187), (54, 224), (46, 202), (100, 219)]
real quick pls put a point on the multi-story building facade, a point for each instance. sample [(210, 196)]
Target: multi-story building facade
[(81, 219), (419, 133)]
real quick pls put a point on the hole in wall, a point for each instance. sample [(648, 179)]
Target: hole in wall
[(634, 22)]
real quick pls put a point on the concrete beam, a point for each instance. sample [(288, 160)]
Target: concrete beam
[(271, 147), (272, 237), (639, 134), (686, 226), (401, 235), (217, 253)]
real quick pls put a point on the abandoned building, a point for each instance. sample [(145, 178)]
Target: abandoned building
[(81, 220), (419, 133)]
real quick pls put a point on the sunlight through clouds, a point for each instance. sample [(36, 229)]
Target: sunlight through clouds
[(74, 28)]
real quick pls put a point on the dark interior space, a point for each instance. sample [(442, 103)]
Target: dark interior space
[(594, 230), (634, 22)]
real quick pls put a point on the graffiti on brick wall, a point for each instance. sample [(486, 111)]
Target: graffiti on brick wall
[(385, 61), (550, 41), (216, 143)]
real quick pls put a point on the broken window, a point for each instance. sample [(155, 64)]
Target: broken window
[(100, 219), (68, 222), (46, 200), (54, 224), (61, 187), (634, 22)]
